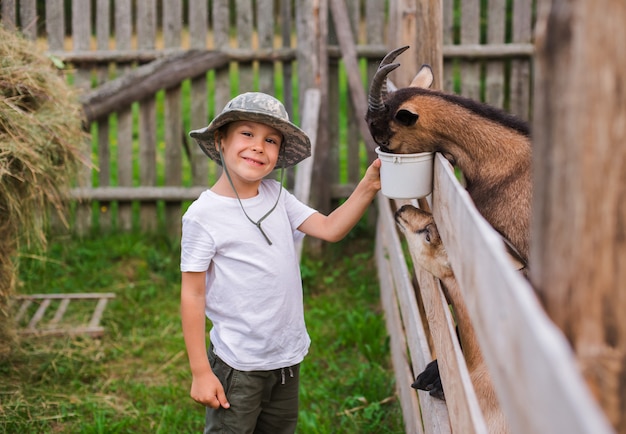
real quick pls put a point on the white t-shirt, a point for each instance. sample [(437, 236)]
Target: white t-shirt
[(253, 289)]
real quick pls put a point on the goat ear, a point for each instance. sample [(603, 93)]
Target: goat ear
[(406, 117), (424, 77)]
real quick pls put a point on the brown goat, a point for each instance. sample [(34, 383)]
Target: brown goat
[(491, 147), (493, 151), (423, 237)]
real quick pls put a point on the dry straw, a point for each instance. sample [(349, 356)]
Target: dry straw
[(41, 147)]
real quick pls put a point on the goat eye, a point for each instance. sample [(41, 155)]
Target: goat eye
[(406, 117), (426, 233)]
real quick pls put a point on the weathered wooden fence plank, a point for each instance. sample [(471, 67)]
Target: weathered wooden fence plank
[(408, 398), (265, 34), (286, 18), (492, 51), (465, 415), (578, 248), (312, 19), (222, 86), (355, 83), (198, 33), (375, 23), (470, 34), (28, 18), (55, 24), (143, 82), (448, 41), (123, 38), (521, 69), (245, 23), (146, 38), (103, 20), (8, 14), (304, 172), (403, 31), (332, 163), (173, 159), (527, 349), (461, 402), (81, 37), (141, 193), (391, 264), (349, 152), (494, 77)]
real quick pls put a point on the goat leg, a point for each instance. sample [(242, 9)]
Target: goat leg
[(430, 381)]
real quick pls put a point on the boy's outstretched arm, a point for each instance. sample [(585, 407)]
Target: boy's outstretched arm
[(338, 223), (205, 386)]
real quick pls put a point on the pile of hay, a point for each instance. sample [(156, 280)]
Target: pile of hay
[(41, 138)]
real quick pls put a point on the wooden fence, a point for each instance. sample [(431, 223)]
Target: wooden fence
[(536, 377), (146, 166)]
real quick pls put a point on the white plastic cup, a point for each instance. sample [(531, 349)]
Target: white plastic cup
[(406, 176)]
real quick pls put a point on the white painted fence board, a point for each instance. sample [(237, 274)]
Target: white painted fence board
[(533, 368)]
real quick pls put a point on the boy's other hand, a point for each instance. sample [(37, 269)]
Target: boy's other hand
[(208, 391)]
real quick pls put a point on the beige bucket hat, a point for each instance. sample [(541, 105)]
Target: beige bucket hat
[(262, 108)]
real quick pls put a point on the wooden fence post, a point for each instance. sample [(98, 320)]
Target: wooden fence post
[(418, 23), (578, 241), (312, 54)]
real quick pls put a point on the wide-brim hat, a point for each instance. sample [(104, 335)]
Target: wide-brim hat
[(262, 108)]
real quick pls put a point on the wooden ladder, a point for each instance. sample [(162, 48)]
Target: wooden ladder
[(54, 326)]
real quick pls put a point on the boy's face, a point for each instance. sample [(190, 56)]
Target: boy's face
[(250, 149)]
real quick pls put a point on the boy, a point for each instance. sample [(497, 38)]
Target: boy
[(240, 268)]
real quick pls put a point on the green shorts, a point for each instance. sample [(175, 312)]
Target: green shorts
[(260, 401)]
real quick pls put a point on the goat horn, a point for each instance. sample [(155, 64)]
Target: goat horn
[(378, 89), (391, 56)]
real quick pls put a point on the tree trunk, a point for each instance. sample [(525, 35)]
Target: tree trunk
[(578, 240)]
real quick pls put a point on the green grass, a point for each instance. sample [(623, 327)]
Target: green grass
[(136, 379)]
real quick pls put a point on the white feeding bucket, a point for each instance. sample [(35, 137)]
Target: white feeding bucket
[(406, 176)]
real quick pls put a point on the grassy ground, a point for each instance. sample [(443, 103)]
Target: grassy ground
[(136, 379)]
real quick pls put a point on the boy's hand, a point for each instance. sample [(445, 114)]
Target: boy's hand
[(207, 390), (372, 175)]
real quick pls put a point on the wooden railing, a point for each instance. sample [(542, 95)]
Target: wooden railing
[(536, 379)]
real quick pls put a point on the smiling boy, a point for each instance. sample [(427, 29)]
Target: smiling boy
[(240, 268)]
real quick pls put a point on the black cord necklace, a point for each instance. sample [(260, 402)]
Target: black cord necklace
[(257, 223)]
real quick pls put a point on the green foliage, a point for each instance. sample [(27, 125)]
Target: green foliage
[(136, 378)]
